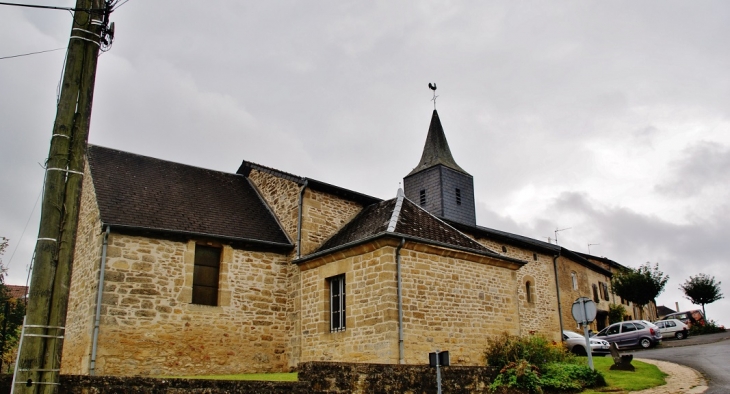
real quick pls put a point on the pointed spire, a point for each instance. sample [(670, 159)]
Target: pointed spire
[(436, 151)]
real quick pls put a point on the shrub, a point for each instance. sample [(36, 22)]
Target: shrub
[(562, 378), (519, 375), (708, 328), (535, 349), (616, 313)]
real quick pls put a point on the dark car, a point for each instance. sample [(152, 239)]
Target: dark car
[(632, 333)]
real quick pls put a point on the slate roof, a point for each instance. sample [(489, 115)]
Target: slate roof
[(436, 150), (400, 217), (140, 192)]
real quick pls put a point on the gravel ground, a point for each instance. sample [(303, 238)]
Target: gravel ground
[(681, 379)]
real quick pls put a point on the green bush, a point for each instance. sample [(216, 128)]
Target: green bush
[(535, 349), (708, 328), (563, 378), (616, 313), (519, 375), (533, 364)]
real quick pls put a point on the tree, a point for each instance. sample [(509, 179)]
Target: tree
[(639, 285), (702, 289), (12, 312), (616, 313)]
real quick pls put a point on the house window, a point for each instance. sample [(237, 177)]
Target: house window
[(422, 196), (528, 292), (574, 278), (206, 275), (534, 256), (595, 293), (504, 249), (458, 196), (338, 313), (605, 291)]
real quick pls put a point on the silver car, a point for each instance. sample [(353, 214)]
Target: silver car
[(632, 333), (673, 327), (576, 344)]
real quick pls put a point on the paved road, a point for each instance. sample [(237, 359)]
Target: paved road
[(709, 354)]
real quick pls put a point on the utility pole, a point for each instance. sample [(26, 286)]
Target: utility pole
[(39, 357)]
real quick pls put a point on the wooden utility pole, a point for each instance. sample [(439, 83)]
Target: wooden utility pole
[(40, 352)]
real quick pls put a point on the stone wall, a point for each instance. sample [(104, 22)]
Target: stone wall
[(540, 313), (454, 301), (371, 333), (150, 327), (451, 301), (282, 196), (568, 294), (323, 215), (84, 282)]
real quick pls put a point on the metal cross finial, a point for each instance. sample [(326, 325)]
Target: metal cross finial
[(432, 86)]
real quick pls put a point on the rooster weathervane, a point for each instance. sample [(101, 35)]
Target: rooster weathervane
[(432, 86)]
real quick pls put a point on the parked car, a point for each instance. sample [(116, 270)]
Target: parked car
[(632, 333), (690, 318), (673, 327), (576, 344)]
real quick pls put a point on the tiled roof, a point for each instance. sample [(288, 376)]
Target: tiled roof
[(16, 291), (409, 220), (436, 150), (141, 192)]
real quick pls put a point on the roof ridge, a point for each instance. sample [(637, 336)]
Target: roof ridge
[(396, 211)]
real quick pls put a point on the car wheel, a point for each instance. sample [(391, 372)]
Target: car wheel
[(579, 351), (645, 343), (679, 335)]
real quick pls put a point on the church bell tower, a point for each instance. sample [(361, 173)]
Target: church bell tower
[(437, 183)]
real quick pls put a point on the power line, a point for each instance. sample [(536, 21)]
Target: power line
[(31, 53), (48, 7)]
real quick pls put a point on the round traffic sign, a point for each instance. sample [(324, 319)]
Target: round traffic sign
[(584, 310)]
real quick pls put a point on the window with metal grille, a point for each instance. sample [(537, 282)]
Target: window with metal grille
[(458, 196), (206, 275), (338, 309), (422, 196)]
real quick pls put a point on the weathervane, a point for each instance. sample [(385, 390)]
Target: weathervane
[(432, 86)]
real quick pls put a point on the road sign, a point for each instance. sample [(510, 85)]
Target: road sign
[(584, 310)]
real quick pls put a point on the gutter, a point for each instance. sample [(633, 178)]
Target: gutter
[(99, 293), (299, 222), (557, 289), (401, 347)]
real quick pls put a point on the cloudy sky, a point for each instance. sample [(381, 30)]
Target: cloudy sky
[(607, 118)]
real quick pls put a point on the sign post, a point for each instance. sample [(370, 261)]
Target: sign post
[(584, 312), (439, 359)]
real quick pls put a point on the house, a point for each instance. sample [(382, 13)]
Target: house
[(183, 270)]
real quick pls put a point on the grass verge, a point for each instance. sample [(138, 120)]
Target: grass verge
[(274, 377), (645, 376)]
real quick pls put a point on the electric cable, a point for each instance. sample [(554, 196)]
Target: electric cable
[(31, 53)]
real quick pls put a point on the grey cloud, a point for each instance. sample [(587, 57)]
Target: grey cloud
[(702, 166)]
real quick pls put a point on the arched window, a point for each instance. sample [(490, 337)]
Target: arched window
[(574, 278), (528, 291)]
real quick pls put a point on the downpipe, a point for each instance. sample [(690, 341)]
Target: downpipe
[(401, 347), (99, 294)]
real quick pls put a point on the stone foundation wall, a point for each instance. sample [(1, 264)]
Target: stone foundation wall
[(84, 282), (150, 327)]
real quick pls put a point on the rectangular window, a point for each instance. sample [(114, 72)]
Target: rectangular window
[(458, 196), (605, 292), (422, 197), (595, 293), (574, 278), (206, 275), (338, 312)]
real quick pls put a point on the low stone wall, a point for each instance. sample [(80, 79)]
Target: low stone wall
[(314, 378), (338, 378)]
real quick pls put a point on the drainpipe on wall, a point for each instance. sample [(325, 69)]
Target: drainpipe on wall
[(557, 290), (99, 293), (299, 222), (401, 348)]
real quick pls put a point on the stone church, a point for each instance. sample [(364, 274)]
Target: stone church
[(183, 270)]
